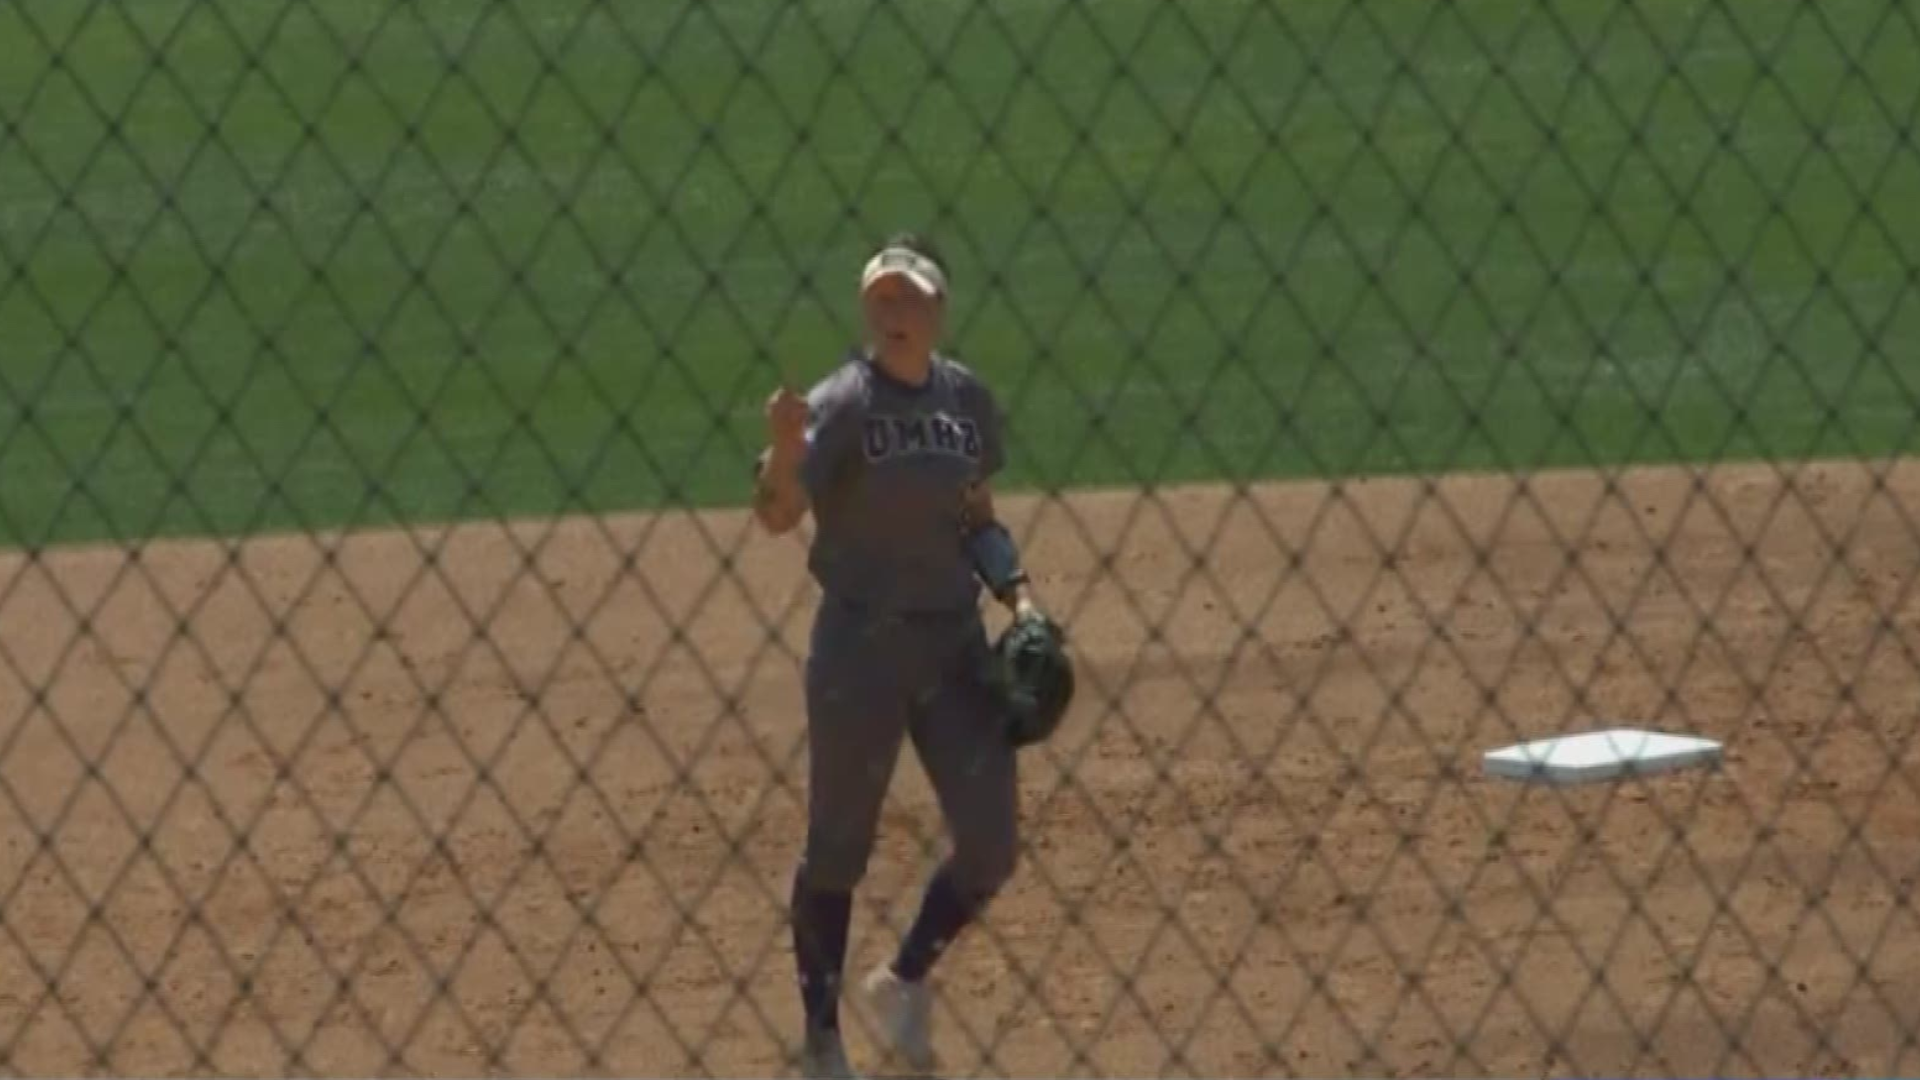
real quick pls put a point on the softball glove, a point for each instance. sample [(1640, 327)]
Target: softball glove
[(1032, 676)]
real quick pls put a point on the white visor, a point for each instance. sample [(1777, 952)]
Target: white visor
[(925, 274)]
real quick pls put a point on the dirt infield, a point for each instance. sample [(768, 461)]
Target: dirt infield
[(374, 805)]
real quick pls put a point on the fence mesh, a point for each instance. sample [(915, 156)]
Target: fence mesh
[(390, 683)]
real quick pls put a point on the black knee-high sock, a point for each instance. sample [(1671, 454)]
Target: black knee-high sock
[(944, 912), (820, 921)]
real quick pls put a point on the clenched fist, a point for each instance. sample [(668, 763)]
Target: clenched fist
[(787, 421)]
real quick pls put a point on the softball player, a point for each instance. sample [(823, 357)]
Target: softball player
[(893, 452)]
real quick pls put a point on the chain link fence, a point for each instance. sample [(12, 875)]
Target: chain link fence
[(391, 683)]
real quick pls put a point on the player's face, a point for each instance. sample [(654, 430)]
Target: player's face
[(902, 321)]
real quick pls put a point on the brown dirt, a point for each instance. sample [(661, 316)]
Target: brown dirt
[(463, 803)]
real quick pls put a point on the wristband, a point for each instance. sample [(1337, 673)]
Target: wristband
[(996, 559)]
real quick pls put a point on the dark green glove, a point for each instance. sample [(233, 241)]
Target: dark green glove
[(1032, 676)]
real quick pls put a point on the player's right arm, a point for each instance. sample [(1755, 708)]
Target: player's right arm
[(780, 496)]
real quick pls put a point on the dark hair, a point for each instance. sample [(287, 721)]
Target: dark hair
[(914, 241)]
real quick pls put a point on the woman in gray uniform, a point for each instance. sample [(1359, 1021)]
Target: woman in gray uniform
[(893, 452)]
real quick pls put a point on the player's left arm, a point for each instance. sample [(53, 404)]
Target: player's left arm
[(996, 558)]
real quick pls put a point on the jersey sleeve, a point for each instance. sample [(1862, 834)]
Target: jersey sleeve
[(832, 435)]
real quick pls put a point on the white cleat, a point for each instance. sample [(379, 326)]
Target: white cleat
[(904, 1013), (825, 1056)]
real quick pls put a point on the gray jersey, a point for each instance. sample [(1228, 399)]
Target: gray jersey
[(887, 468)]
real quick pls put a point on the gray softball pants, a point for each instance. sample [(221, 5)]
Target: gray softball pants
[(871, 681)]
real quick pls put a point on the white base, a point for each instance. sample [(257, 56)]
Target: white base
[(1599, 755)]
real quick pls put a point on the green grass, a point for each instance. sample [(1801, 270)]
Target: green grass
[(268, 266)]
